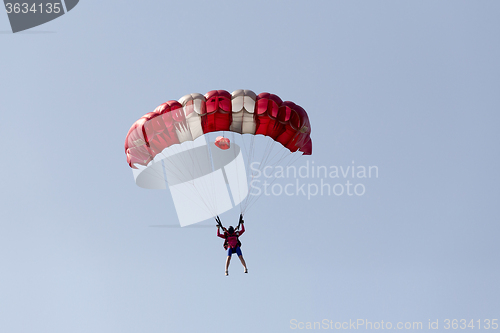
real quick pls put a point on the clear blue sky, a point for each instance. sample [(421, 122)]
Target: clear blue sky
[(410, 87)]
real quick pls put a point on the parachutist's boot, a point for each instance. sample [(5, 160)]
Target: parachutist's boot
[(246, 270), (227, 273)]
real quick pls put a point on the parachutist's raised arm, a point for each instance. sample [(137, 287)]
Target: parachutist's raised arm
[(219, 226), (240, 222), (219, 223)]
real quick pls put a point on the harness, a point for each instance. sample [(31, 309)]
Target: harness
[(227, 235)]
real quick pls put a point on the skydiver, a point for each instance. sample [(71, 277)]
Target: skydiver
[(232, 243)]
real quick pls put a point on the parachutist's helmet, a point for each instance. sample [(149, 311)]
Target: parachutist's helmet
[(230, 230)]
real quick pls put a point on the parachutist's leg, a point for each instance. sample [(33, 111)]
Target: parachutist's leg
[(228, 260), (243, 262)]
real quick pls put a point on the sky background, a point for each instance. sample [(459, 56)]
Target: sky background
[(411, 87)]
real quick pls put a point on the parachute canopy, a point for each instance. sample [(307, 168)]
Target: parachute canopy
[(171, 148), (193, 115)]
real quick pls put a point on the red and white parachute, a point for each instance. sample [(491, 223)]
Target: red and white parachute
[(168, 136)]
